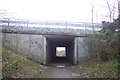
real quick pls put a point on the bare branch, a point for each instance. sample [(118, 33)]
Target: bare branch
[(113, 10), (110, 14)]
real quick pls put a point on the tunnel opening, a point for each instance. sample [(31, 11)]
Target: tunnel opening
[(60, 51), (60, 54), (54, 42)]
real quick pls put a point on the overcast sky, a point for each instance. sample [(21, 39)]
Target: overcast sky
[(57, 10), (60, 48)]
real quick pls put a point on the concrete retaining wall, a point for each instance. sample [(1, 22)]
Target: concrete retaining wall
[(34, 46), (30, 45), (82, 49)]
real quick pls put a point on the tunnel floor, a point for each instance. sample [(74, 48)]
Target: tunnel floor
[(59, 41)]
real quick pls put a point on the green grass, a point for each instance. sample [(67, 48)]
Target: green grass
[(107, 69), (16, 65)]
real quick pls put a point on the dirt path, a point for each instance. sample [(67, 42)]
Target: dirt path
[(61, 71)]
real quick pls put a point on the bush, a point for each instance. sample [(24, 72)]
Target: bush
[(102, 47)]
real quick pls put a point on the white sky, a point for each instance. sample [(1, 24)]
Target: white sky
[(60, 48), (56, 10)]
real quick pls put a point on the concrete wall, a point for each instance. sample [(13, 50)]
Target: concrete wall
[(82, 50), (70, 51), (30, 45), (39, 49)]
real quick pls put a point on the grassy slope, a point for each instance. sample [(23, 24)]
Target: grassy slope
[(90, 69), (17, 65)]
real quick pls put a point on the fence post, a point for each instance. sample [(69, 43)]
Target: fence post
[(27, 22), (118, 15), (46, 23), (8, 22), (66, 25), (85, 29)]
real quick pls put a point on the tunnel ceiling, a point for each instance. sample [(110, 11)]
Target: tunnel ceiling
[(54, 38)]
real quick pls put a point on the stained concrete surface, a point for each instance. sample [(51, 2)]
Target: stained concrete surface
[(42, 48)]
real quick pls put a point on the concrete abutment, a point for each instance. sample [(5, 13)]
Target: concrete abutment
[(42, 47)]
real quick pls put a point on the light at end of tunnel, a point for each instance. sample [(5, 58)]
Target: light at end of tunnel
[(60, 51)]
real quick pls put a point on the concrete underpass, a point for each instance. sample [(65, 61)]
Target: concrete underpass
[(60, 41)]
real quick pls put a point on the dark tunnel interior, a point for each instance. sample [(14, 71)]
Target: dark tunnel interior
[(59, 41)]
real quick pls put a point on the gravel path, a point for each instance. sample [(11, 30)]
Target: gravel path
[(61, 70)]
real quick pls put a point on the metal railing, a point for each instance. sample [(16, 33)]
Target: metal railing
[(31, 23)]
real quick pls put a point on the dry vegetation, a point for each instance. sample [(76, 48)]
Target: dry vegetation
[(93, 69), (104, 49), (16, 65)]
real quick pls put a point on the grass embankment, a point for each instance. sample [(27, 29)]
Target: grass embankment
[(15, 65), (91, 69)]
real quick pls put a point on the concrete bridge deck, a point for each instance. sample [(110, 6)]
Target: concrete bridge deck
[(45, 31), (48, 28), (39, 43)]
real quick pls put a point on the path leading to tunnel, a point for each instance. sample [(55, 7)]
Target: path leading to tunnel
[(61, 70)]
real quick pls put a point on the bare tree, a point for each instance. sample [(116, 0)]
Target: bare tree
[(119, 8), (2, 13), (112, 9), (92, 14)]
